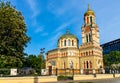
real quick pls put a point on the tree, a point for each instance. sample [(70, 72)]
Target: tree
[(31, 61), (41, 64), (112, 58), (13, 38), (36, 62)]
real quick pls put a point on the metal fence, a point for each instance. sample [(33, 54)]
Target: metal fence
[(71, 72), (57, 72)]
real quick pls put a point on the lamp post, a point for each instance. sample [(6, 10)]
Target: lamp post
[(42, 51), (41, 58)]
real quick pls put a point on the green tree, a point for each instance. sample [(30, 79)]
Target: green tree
[(13, 38), (31, 61), (112, 58), (36, 62), (41, 64)]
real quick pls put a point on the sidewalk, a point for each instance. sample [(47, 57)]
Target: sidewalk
[(109, 80)]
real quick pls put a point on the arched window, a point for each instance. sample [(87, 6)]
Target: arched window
[(90, 64), (64, 42), (87, 20), (91, 19), (87, 65), (72, 42), (69, 42), (86, 53), (87, 38)]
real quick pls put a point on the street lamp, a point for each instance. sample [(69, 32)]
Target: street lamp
[(42, 50)]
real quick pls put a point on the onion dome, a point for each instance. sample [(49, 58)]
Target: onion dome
[(89, 11)]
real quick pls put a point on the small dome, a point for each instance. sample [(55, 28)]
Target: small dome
[(89, 11), (68, 35)]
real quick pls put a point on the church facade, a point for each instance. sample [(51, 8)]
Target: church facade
[(69, 55)]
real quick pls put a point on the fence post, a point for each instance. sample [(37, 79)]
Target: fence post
[(73, 71), (56, 71)]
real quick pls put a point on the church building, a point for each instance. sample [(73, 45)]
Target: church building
[(69, 55)]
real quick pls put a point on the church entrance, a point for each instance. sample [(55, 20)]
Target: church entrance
[(50, 70)]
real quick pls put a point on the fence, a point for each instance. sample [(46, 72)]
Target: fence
[(57, 72)]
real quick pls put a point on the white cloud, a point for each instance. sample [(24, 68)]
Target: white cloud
[(38, 30), (64, 25), (33, 6), (53, 40), (64, 6)]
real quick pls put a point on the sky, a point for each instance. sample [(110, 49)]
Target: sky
[(47, 20)]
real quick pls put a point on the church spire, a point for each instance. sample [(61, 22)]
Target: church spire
[(88, 7), (67, 31), (89, 11)]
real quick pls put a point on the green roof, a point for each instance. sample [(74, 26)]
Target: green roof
[(68, 35)]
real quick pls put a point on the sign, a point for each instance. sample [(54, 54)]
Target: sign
[(13, 72)]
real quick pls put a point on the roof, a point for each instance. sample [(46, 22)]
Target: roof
[(68, 35), (89, 11)]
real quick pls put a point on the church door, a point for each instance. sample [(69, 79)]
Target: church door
[(50, 70)]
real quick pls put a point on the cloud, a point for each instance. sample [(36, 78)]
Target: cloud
[(64, 25), (54, 39), (37, 30), (33, 6), (56, 10), (62, 7)]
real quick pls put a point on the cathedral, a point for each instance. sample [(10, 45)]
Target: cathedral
[(69, 55)]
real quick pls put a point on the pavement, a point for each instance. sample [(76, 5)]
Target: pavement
[(110, 80)]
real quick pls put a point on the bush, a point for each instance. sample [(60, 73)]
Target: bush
[(61, 77), (5, 72)]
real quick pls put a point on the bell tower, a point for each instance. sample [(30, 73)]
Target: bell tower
[(90, 50), (90, 32)]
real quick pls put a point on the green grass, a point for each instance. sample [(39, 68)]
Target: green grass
[(65, 77)]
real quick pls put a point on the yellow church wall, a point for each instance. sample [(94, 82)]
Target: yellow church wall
[(93, 59)]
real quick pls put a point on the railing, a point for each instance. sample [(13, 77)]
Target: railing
[(57, 72)]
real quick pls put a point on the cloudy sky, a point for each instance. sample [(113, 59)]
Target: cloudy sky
[(47, 20)]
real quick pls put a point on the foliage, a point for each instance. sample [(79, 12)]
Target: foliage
[(61, 77), (116, 66), (112, 58), (13, 36), (36, 62), (5, 72)]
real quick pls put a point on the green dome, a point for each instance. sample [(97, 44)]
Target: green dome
[(68, 35)]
